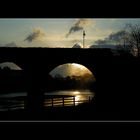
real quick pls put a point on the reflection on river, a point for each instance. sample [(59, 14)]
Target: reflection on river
[(68, 97), (14, 101)]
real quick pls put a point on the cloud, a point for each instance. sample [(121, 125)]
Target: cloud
[(37, 34), (112, 38), (79, 25), (11, 44)]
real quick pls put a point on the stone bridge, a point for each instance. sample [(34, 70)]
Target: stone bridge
[(109, 71)]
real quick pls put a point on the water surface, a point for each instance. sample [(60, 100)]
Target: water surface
[(14, 101)]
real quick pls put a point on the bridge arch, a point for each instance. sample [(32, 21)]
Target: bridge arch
[(38, 62)]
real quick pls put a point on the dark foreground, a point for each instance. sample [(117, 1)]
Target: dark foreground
[(117, 86), (84, 112)]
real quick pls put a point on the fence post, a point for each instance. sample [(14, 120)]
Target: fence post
[(74, 100), (63, 101), (89, 99), (52, 102)]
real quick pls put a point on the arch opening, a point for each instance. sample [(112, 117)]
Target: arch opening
[(11, 78), (70, 80), (72, 76), (9, 66)]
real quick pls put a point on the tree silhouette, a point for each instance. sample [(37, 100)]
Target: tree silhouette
[(6, 68)]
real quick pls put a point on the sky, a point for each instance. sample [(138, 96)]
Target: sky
[(58, 32)]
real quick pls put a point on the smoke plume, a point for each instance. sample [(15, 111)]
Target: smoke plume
[(79, 25)]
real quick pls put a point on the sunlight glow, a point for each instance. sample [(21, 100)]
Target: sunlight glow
[(76, 92), (78, 66)]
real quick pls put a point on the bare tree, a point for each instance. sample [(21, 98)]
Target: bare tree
[(133, 38)]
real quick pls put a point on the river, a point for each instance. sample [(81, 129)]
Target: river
[(14, 101)]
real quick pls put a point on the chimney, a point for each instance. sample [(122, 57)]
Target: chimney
[(84, 34)]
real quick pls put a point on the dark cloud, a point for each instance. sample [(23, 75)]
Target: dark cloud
[(117, 36), (112, 38), (100, 42), (37, 34)]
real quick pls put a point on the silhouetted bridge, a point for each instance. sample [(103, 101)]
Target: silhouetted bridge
[(38, 62)]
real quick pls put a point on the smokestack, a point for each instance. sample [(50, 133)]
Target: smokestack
[(84, 34)]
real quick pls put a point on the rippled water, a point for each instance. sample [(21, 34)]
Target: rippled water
[(13, 101)]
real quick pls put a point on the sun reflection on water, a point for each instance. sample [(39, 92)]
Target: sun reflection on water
[(70, 97), (77, 97)]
